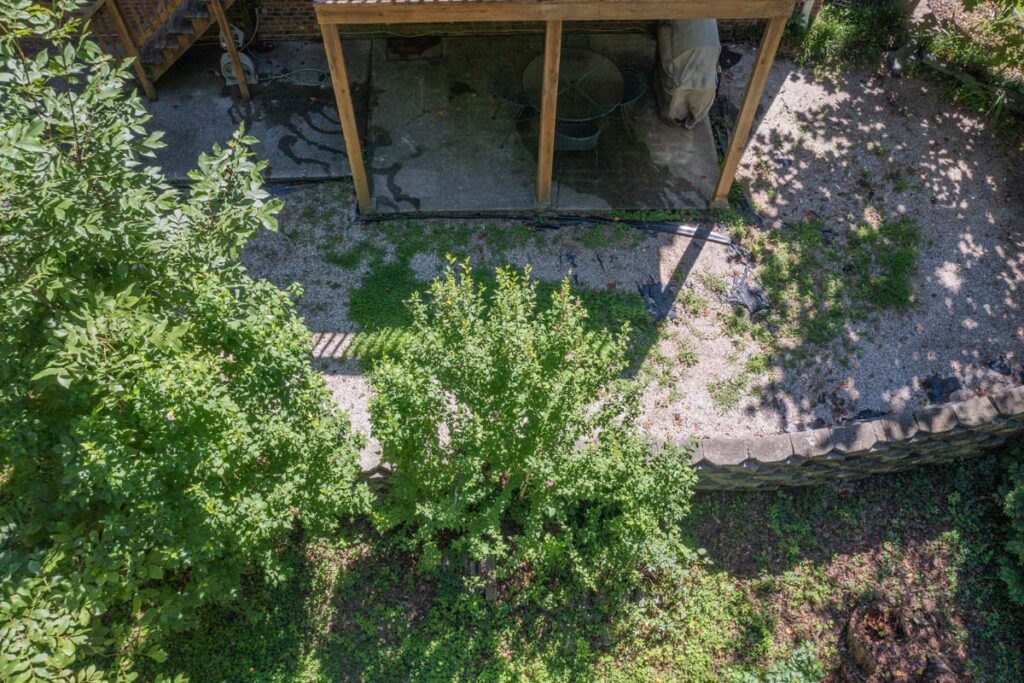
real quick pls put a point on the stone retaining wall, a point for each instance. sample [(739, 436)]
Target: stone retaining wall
[(926, 436), (935, 434)]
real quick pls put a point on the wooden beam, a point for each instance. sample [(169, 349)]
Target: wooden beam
[(92, 9), (229, 43), (129, 47), (443, 11), (347, 115), (751, 98), (548, 113)]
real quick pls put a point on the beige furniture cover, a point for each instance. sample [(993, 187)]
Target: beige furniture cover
[(688, 56)]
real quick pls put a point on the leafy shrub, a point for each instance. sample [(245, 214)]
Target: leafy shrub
[(800, 666), (511, 441), (1012, 569), (855, 32), (161, 428)]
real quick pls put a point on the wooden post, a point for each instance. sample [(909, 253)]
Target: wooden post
[(229, 44), (755, 86), (129, 47), (548, 113), (346, 113)]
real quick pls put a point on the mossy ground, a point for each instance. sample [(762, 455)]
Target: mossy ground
[(782, 568)]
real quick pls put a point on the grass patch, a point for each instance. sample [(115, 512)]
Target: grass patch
[(729, 217), (758, 364), (884, 260), (354, 257), (727, 394), (988, 47), (603, 235), (818, 282), (854, 33), (686, 356), (361, 612), (693, 303), (716, 284), (412, 237), (378, 306)]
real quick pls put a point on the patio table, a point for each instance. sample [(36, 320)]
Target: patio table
[(589, 85)]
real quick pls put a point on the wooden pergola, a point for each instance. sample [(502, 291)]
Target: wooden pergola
[(333, 13)]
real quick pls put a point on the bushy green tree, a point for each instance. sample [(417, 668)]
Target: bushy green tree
[(162, 432), (512, 443)]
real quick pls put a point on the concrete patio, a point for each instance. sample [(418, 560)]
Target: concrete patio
[(436, 145), (432, 141), (295, 120)]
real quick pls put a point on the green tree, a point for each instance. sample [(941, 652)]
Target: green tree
[(162, 432), (512, 444)]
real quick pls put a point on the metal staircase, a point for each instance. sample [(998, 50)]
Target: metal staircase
[(157, 32)]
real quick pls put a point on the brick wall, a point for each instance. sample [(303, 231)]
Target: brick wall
[(286, 19)]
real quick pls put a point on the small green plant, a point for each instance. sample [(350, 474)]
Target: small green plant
[(686, 356), (800, 666), (693, 303), (715, 283), (512, 444), (757, 364), (726, 394)]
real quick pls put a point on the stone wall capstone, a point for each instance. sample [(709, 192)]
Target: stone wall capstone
[(929, 435)]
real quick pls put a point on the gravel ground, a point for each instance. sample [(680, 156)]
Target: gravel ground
[(855, 149), (865, 146)]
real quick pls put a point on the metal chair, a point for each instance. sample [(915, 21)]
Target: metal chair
[(511, 99), (634, 87), (573, 136)]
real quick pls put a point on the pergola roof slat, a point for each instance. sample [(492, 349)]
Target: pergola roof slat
[(446, 11)]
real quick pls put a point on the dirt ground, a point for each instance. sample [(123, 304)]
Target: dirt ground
[(847, 150)]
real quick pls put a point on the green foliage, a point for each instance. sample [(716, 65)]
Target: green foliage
[(787, 567), (991, 45), (1012, 568), (511, 442), (161, 428), (817, 286), (615, 235), (988, 49), (883, 259), (726, 394), (693, 303), (801, 666), (377, 305), (354, 257), (854, 32)]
